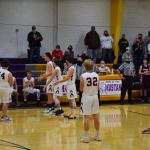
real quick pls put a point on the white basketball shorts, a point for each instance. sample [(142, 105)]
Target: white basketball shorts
[(89, 105), (58, 90), (49, 88), (71, 91), (4, 95)]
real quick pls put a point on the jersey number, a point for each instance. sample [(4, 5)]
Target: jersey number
[(3, 76), (90, 81)]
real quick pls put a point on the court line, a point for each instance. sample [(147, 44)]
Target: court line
[(116, 138), (128, 111)]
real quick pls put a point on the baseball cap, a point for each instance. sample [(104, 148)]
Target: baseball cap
[(93, 27), (57, 46), (33, 27), (128, 48)]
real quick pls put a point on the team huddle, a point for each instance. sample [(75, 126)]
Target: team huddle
[(89, 85)]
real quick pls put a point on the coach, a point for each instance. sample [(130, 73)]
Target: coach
[(128, 71), (34, 39)]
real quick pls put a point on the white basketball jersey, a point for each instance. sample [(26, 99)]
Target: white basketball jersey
[(13, 83), (29, 85), (47, 71), (58, 76), (73, 76), (4, 78), (91, 80)]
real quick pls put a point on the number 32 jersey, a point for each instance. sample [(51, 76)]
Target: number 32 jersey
[(91, 80), (4, 78)]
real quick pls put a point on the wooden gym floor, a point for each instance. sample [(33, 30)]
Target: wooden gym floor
[(121, 129)]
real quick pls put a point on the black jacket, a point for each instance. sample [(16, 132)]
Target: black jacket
[(122, 44), (92, 40), (32, 41), (139, 51)]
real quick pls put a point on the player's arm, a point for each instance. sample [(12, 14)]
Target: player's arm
[(53, 75), (25, 84), (16, 86), (81, 83), (140, 73), (10, 79), (71, 71), (46, 75), (32, 83)]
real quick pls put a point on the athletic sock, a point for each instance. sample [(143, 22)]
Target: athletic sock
[(71, 110), (74, 111), (16, 101), (59, 108), (86, 133), (38, 99), (25, 100), (97, 132)]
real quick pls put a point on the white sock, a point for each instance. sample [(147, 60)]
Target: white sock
[(86, 133), (25, 100), (59, 108), (74, 111), (38, 99), (71, 110), (97, 132)]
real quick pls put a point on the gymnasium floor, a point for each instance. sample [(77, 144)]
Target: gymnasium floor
[(121, 129)]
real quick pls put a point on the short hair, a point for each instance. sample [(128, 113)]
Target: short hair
[(145, 59), (56, 56), (88, 64), (10, 71), (140, 34), (69, 59), (5, 63), (71, 47), (29, 71), (48, 55), (123, 34), (56, 61)]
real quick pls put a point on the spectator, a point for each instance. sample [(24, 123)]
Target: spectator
[(67, 53), (147, 38), (84, 56), (128, 71), (123, 43), (70, 48), (79, 70), (57, 52), (34, 39), (148, 50), (92, 42), (138, 49), (141, 40), (106, 42), (127, 53), (103, 67)]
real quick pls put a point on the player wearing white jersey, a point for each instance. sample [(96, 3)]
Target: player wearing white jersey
[(28, 88), (71, 88), (89, 84), (14, 91), (49, 91), (6, 80), (56, 76)]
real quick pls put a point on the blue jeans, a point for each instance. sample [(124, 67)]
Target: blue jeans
[(137, 60), (37, 50), (92, 52)]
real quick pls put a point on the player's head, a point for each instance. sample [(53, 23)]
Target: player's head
[(29, 74), (56, 62), (5, 64), (145, 61), (69, 60), (47, 56), (55, 57), (88, 65)]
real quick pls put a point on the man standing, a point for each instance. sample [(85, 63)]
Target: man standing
[(34, 39), (128, 71), (92, 43), (138, 50), (144, 79), (123, 43), (106, 42)]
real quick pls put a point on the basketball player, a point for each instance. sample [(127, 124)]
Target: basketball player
[(28, 88), (89, 84), (6, 80), (14, 91), (57, 89), (71, 88), (144, 79), (49, 91)]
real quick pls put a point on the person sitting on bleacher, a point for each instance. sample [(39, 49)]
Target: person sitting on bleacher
[(104, 68), (127, 53), (28, 88)]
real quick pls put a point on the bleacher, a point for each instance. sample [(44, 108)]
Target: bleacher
[(19, 66)]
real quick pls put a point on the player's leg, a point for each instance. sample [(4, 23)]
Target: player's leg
[(95, 111), (141, 89), (73, 109), (57, 102), (25, 92), (49, 104), (37, 92), (16, 96)]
